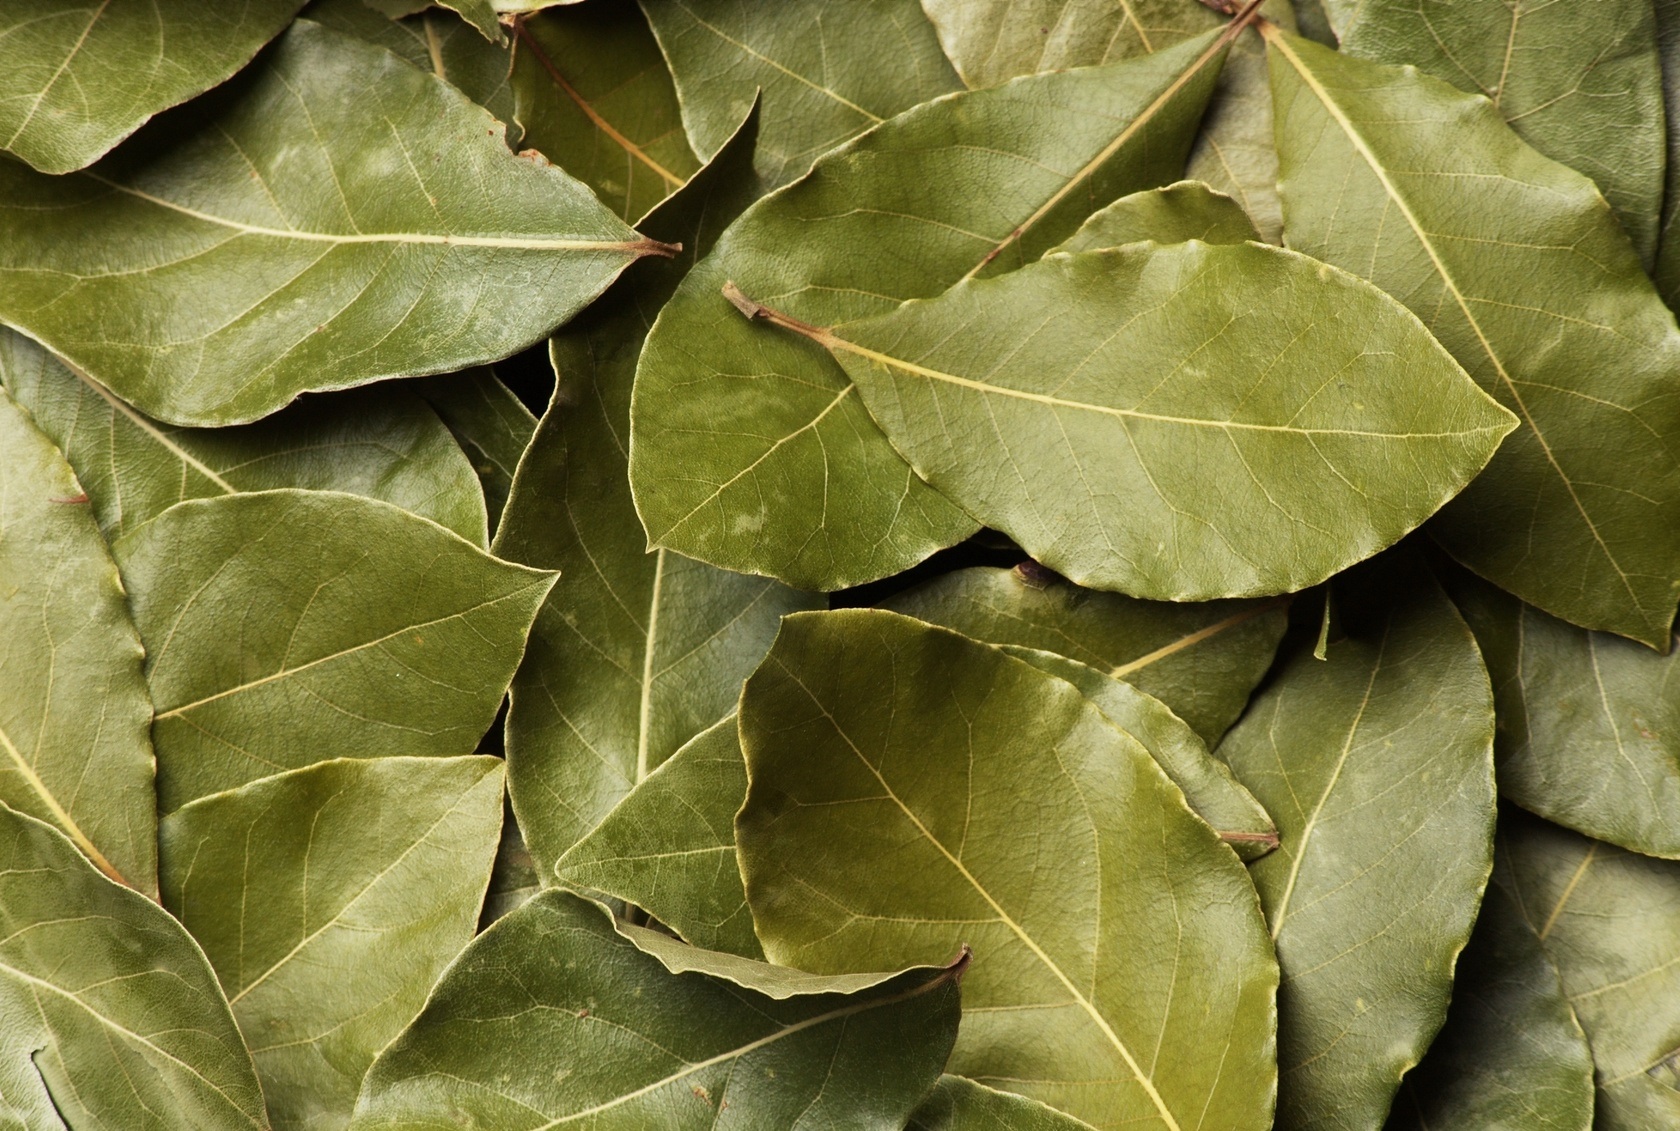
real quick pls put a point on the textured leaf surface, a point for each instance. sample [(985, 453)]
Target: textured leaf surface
[(828, 72), (1236, 152), (893, 767), (1181, 423), (550, 1018), (82, 76), (1188, 210), (109, 1014), (1200, 660), (1610, 921), (751, 451), (491, 425), (669, 846), (1667, 270), (284, 628), (1511, 1054), (1377, 764), (1518, 266), (74, 711), (368, 874), (382, 443), (959, 1104), (332, 217)]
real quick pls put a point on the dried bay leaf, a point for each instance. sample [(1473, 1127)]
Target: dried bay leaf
[(1667, 269), (284, 628), (959, 1104), (492, 426), (74, 710), (1187, 210), (1518, 266), (893, 769)]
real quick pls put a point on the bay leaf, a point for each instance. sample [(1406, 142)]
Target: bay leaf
[(382, 443), (1377, 764), (513, 876), (749, 450), (1511, 1053), (828, 73), (1610, 922), (1236, 152), (369, 874), (1185, 210), (1518, 266), (551, 1017), (109, 1014), (79, 78), (959, 1104), (594, 95), (1201, 660), (1179, 423), (1582, 86), (74, 711), (1667, 269), (491, 425), (669, 846), (235, 292), (284, 628), (894, 771)]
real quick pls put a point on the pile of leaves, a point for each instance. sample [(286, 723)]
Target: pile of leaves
[(1084, 564)]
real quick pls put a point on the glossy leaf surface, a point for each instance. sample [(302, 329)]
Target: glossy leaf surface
[(491, 425), (1180, 423), (74, 711), (434, 249), (368, 874), (1518, 266), (288, 627), (959, 1104), (1377, 764), (1200, 660), (1187, 210), (382, 443), (111, 1015), (893, 767), (751, 450), (551, 1018)]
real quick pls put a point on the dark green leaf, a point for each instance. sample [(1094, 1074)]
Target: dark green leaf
[(1188, 210), (492, 426), (959, 1104), (513, 877), (1667, 270)]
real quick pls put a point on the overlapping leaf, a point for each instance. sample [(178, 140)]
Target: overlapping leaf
[(959, 1104), (1187, 210), (1667, 270), (492, 426)]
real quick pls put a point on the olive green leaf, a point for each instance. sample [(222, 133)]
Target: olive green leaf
[(1200, 660), (1667, 269), (1188, 210), (492, 426), (1610, 922), (331, 217), (80, 77), (669, 846), (1180, 423), (284, 628), (749, 450), (551, 1018), (827, 72), (1511, 1054), (593, 94), (1235, 152), (74, 710), (912, 790), (478, 14), (1583, 91), (1516, 263), (382, 442), (1377, 764), (112, 1017), (959, 1104), (513, 877), (368, 874)]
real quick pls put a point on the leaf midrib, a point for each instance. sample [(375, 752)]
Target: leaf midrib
[(65, 821), (46, 89)]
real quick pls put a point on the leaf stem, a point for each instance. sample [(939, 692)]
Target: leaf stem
[(759, 312)]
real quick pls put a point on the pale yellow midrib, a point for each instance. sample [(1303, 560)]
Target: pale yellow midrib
[(1190, 640), (59, 813), (644, 715), (41, 96), (152, 430), (1568, 890)]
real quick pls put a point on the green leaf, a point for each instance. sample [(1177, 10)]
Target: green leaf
[(1511, 1053), (1180, 423), (1236, 152), (477, 14), (894, 768), (550, 1017), (513, 877), (749, 450), (669, 846), (74, 711), (593, 94), (827, 73), (1667, 269), (1201, 661), (79, 78), (382, 443), (284, 628), (1516, 263), (1583, 90), (959, 1104), (1188, 210), (241, 283), (491, 425), (1377, 764), (1610, 922), (368, 874), (113, 1017)]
